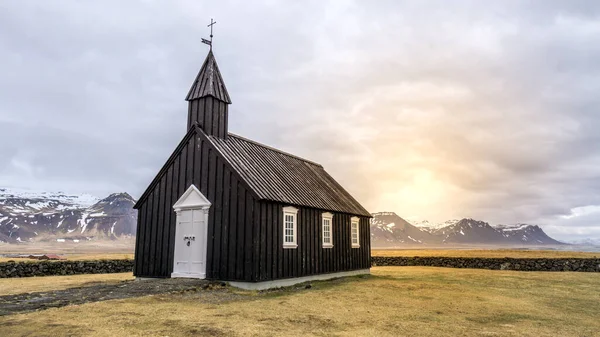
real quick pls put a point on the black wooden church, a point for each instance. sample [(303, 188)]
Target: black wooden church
[(227, 208)]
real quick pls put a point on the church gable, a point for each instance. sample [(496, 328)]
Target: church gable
[(190, 162), (195, 162)]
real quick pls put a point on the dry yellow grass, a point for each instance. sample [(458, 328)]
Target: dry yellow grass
[(10, 286), (124, 246), (395, 301), (497, 253), (78, 257)]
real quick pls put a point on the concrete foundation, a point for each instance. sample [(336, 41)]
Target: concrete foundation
[(291, 281)]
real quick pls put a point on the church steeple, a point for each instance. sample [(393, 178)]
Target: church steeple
[(208, 100)]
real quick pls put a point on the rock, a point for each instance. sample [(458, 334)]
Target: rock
[(45, 268), (582, 265)]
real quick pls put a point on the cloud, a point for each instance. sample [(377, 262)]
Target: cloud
[(486, 110)]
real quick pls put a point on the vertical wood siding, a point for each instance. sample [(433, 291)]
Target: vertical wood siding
[(230, 221), (245, 236), (310, 258), (211, 114)]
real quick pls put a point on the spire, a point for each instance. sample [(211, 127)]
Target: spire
[(209, 82)]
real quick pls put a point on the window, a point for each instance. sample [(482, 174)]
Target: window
[(327, 224), (354, 232), (290, 215)]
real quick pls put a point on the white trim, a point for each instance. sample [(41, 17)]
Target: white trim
[(327, 216), (198, 200), (291, 281), (144, 279), (290, 211), (186, 275), (355, 220)]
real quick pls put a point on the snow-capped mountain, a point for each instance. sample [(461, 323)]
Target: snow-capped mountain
[(431, 227), (470, 231), (27, 216), (20, 200), (386, 232), (387, 228), (525, 233)]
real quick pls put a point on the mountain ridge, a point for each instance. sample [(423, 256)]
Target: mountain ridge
[(27, 216), (384, 232)]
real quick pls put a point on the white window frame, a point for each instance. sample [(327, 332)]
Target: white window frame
[(355, 221), (327, 217), (293, 212)]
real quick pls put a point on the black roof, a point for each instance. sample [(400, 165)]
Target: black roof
[(209, 82), (278, 176)]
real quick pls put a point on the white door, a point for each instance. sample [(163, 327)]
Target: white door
[(190, 244), (198, 243), (191, 234)]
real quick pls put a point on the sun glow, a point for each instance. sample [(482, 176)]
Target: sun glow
[(420, 195)]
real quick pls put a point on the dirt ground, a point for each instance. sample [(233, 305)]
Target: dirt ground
[(15, 303)]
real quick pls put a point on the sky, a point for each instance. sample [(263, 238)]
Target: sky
[(432, 109)]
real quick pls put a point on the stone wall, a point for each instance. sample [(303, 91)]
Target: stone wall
[(47, 268), (562, 264)]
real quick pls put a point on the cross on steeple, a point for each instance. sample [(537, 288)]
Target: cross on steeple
[(210, 25), (208, 100), (209, 42)]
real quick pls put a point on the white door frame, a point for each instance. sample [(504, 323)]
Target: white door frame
[(191, 200)]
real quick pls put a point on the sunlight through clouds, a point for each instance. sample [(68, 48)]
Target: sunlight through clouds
[(479, 109)]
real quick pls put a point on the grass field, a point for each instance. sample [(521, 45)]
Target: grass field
[(11, 286), (497, 253), (78, 257), (411, 301), (122, 246)]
